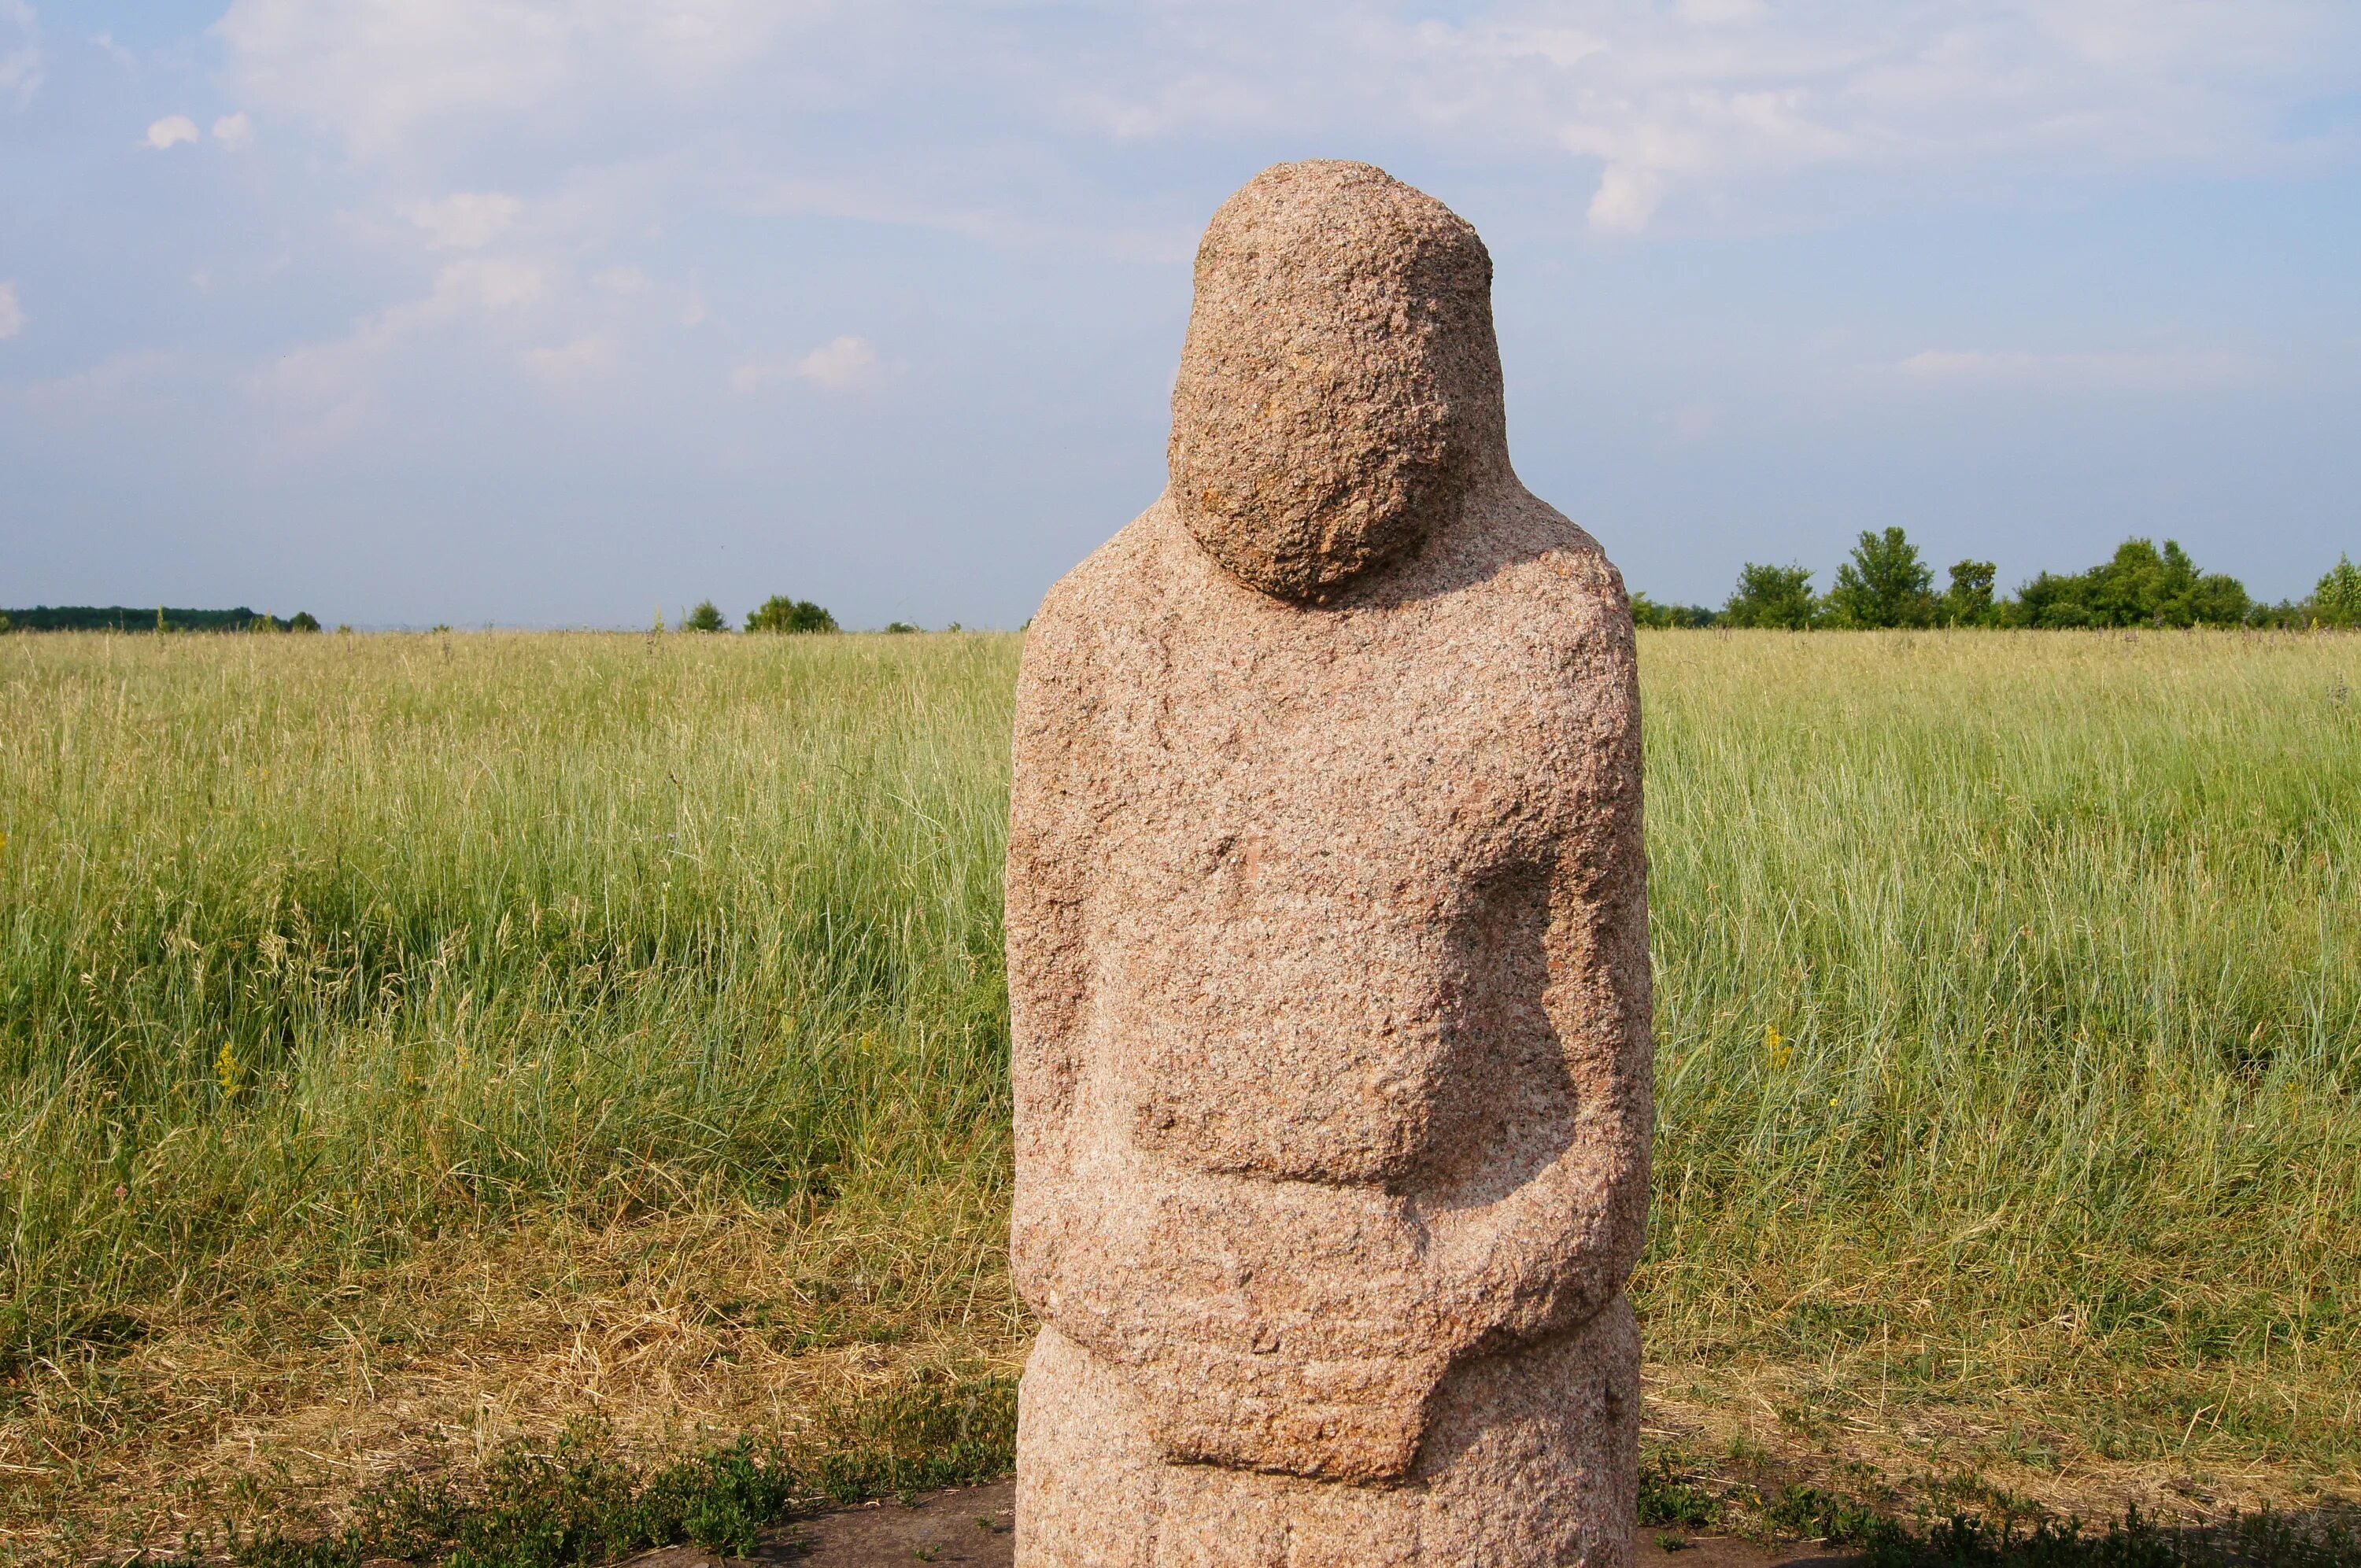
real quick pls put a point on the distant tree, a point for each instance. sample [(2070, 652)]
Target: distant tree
[(1647, 612), (704, 618), (1778, 596), (1969, 600), (900, 626), (780, 613), (4, 622), (1883, 583), (305, 621), (2142, 585), (262, 623), (2337, 600)]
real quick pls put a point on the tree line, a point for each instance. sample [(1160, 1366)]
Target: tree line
[(149, 618), (777, 613), (1884, 584)]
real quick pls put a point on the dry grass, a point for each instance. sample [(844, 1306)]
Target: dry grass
[(415, 1042)]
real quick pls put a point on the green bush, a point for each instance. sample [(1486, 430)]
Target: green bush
[(1647, 612), (1969, 600), (2142, 585), (1778, 597), (704, 618), (780, 613), (1883, 585), (2336, 601)]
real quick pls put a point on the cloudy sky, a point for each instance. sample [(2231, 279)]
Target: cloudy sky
[(563, 311)]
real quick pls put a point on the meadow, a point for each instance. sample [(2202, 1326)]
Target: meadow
[(412, 1041)]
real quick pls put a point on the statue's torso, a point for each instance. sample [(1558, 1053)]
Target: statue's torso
[(1316, 937)]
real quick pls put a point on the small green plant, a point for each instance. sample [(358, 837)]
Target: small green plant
[(1671, 1497)]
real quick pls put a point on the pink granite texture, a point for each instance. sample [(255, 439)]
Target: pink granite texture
[(1327, 950)]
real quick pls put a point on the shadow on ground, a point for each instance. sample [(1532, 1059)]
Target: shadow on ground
[(975, 1527)]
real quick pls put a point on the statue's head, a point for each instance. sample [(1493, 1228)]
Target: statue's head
[(1339, 392)]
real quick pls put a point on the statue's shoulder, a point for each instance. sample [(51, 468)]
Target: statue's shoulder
[(1111, 579), (1532, 563), (1123, 584), (1085, 620)]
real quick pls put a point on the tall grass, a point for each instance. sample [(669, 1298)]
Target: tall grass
[(2010, 1008), (329, 943), (2009, 990)]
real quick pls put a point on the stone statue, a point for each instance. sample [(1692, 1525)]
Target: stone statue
[(1328, 950)]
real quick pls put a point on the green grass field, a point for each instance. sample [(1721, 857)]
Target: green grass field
[(414, 1040)]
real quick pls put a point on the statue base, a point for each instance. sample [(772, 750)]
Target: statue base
[(1528, 1459)]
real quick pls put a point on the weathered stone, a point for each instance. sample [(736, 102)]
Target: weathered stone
[(1327, 946)]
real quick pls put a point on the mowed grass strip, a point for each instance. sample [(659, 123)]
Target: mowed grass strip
[(392, 1024)]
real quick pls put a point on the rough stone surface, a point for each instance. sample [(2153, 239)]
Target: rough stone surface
[(1327, 944)]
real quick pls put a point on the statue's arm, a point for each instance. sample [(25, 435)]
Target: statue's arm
[(1051, 832), (1559, 1247)]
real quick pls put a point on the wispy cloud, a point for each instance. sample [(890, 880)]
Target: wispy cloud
[(235, 132), (587, 358), (21, 66), (2165, 371), (1703, 111), (466, 220), (331, 384), (841, 364), (12, 314)]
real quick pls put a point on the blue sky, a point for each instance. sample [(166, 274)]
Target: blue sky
[(563, 311)]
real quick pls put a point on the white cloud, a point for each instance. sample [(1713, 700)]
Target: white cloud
[(380, 73), (572, 363), (12, 314), (841, 364), (1626, 199), (466, 220), (622, 279), (21, 66), (2164, 371), (333, 383), (170, 131), (235, 132), (1683, 114), (107, 387), (1728, 98)]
